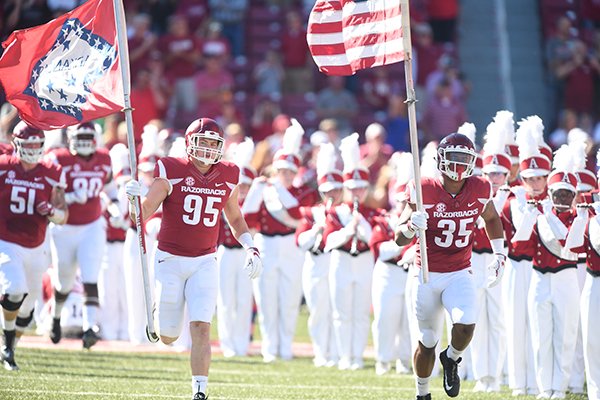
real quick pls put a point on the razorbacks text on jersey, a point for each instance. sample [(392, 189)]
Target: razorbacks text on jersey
[(449, 234), (20, 192), (191, 212), (88, 174)]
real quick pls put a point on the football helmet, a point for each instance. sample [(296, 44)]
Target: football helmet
[(26, 138), (83, 139), (197, 137), (456, 156)]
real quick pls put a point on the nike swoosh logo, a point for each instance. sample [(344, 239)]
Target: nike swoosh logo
[(218, 184), (160, 261), (448, 388), (471, 204)]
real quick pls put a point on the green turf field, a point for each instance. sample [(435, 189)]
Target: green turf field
[(70, 375)]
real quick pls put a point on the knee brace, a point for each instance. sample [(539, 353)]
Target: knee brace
[(428, 338), (12, 302), (23, 322), (90, 294)]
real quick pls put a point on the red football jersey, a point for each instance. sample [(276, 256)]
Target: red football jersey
[(20, 192), (82, 173), (192, 211), (451, 221)]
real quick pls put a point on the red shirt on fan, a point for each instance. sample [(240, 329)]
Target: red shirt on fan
[(20, 192), (451, 221), (90, 174), (192, 211)]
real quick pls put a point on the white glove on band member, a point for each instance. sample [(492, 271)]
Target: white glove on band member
[(253, 264), (575, 237), (496, 268), (78, 196)]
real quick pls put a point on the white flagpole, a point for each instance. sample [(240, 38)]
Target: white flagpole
[(124, 60), (411, 99)]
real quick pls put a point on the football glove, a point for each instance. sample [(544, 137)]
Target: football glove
[(78, 196), (418, 220), (44, 208), (133, 189), (495, 270), (253, 264)]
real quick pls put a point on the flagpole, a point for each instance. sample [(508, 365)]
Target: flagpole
[(411, 100), (137, 202)]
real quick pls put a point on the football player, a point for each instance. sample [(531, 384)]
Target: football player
[(31, 194), (452, 204), (193, 191)]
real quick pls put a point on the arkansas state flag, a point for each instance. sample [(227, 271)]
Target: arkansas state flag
[(66, 71), (345, 36)]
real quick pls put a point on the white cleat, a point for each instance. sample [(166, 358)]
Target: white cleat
[(544, 395), (558, 395), (382, 368), (519, 392)]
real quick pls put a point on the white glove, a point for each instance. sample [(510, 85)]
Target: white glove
[(582, 210), (77, 196), (596, 207), (133, 189), (547, 206), (519, 192), (253, 264), (495, 270), (418, 220)]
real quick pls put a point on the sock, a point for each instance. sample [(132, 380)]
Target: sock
[(10, 325), (453, 353), (89, 316), (199, 383), (422, 385), (57, 309), (9, 338)]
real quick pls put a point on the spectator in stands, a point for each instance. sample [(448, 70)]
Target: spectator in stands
[(396, 123), (261, 122), (558, 53), (567, 120), (234, 135), (141, 43), (181, 53), (214, 86), (331, 129), (443, 15), (590, 13), (579, 75), (265, 149), (230, 13), (147, 100), (378, 88), (444, 113), (375, 153), (334, 101), (215, 43), (268, 75), (230, 114), (25, 14), (195, 11), (294, 51), (447, 69), (427, 54)]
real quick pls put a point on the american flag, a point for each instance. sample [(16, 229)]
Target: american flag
[(345, 36)]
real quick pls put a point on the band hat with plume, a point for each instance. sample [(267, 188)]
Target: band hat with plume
[(243, 154), (355, 175), (537, 128), (402, 162), (288, 157), (495, 158), (468, 129), (586, 178), (563, 176), (532, 161), (505, 122), (328, 177), (151, 150)]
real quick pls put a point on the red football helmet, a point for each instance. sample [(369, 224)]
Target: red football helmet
[(83, 139), (197, 141), (29, 142), (456, 156)]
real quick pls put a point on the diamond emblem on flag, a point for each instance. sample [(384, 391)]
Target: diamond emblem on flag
[(61, 79)]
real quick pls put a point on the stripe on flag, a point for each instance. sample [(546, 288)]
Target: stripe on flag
[(345, 36)]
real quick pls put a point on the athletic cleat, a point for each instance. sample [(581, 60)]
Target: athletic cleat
[(90, 338), (426, 397), (451, 378), (200, 396), (8, 359), (56, 332)]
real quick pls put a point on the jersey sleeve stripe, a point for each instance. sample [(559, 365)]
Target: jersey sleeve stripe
[(162, 173)]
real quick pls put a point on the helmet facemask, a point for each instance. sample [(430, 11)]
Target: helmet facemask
[(83, 144), (198, 147), (456, 162), (31, 155)]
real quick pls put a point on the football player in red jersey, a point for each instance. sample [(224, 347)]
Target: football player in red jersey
[(31, 194), (193, 191), (81, 241), (452, 204)]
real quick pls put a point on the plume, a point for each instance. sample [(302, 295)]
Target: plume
[(402, 163), (150, 142), (292, 138), (350, 152), (495, 139), (578, 154), (178, 148), (243, 153), (326, 159), (525, 139), (563, 159), (468, 129), (537, 128), (429, 167)]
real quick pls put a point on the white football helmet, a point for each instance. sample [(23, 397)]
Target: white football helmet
[(26, 139), (83, 139)]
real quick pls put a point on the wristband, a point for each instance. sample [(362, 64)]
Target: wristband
[(246, 240), (406, 231), (498, 246), (57, 216)]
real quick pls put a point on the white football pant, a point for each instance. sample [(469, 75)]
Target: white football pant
[(112, 293), (350, 280), (234, 302), (590, 326), (577, 379), (515, 287), (553, 303), (278, 292), (315, 282)]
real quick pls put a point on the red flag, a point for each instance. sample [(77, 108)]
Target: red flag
[(66, 71), (345, 36)]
